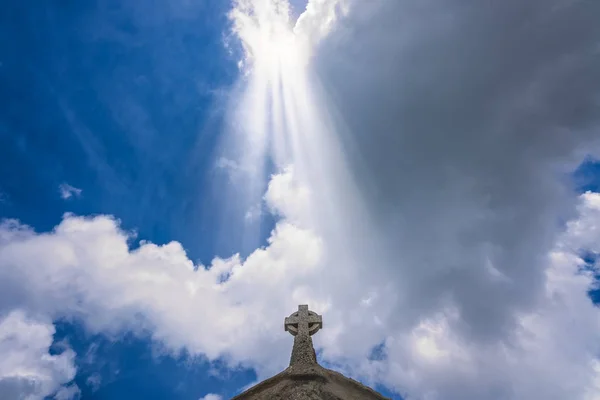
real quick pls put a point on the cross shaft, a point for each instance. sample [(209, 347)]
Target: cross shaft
[(302, 324)]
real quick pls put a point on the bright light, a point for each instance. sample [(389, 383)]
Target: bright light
[(282, 115)]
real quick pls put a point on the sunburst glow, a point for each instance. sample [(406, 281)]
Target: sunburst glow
[(284, 116)]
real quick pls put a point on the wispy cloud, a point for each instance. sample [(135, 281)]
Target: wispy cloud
[(94, 381), (253, 213), (67, 191)]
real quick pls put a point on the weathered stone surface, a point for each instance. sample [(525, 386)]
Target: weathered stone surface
[(309, 383), (302, 325), (305, 379)]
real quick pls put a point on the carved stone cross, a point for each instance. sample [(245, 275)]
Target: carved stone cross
[(303, 322), (302, 325)]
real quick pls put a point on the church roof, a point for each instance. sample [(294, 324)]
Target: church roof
[(305, 379)]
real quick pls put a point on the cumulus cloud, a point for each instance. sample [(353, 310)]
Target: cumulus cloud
[(85, 269), (67, 191), (27, 370), (550, 351)]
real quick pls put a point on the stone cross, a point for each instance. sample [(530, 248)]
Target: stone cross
[(303, 322), (302, 325)]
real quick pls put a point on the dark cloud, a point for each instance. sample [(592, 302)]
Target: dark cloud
[(463, 120)]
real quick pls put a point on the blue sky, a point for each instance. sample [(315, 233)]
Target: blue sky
[(132, 366), (123, 108), (123, 101), (128, 105)]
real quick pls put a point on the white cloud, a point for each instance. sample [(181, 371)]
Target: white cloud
[(319, 18), (84, 269), (211, 396), (67, 191), (287, 198), (27, 370)]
